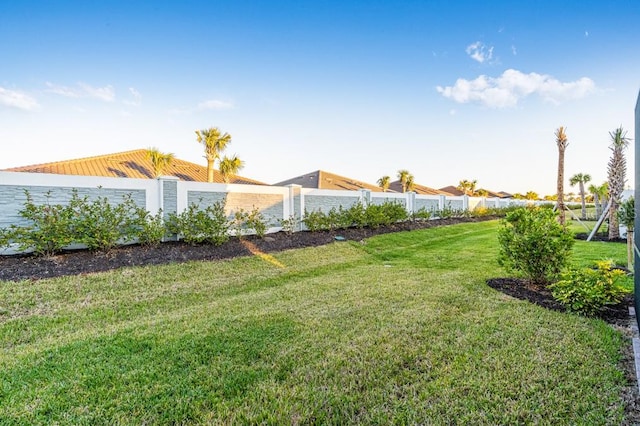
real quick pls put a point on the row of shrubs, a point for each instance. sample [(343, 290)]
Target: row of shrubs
[(535, 245), (100, 224)]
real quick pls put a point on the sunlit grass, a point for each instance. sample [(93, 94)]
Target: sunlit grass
[(401, 329)]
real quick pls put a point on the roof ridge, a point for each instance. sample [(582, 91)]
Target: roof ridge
[(75, 160)]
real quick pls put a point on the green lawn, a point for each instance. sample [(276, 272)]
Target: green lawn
[(401, 329)]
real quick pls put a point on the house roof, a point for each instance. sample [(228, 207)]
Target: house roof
[(320, 179), (452, 190), (418, 189), (129, 164)]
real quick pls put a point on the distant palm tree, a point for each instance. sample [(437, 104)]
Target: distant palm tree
[(384, 182), (403, 175), (468, 187), (599, 196), (410, 183), (482, 192), (160, 162), (581, 178), (531, 195), (562, 142), (617, 170), (230, 167), (215, 142)]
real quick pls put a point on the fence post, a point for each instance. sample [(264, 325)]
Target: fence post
[(465, 202), (442, 200), (296, 210), (411, 203), (365, 197), (168, 199)]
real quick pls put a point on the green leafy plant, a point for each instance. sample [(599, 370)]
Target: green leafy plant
[(49, 227), (533, 243), (102, 225), (253, 220), (586, 291), (315, 220), (152, 228), (195, 225), (422, 214), (289, 225)]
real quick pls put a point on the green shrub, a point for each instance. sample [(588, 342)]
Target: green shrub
[(394, 212), (533, 243), (422, 214), (289, 225), (195, 225), (249, 220), (356, 215), (315, 220), (101, 225), (152, 229), (587, 290), (49, 227)]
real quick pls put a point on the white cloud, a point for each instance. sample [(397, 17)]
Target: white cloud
[(83, 90), (19, 100), (513, 85), (137, 98), (479, 52), (214, 104)]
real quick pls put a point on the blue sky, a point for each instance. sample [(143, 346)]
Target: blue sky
[(447, 90)]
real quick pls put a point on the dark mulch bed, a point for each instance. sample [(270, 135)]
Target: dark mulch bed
[(21, 267)]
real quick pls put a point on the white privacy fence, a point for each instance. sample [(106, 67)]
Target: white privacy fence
[(171, 195)]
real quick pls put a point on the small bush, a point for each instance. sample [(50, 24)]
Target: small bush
[(289, 225), (249, 220), (50, 227), (315, 220), (197, 226), (422, 214), (152, 229), (586, 291), (533, 243), (101, 225)]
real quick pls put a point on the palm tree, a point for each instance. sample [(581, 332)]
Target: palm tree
[(482, 192), (160, 162), (410, 183), (617, 170), (230, 167), (581, 178), (214, 144), (599, 196), (467, 186), (531, 195), (403, 175), (562, 142), (384, 182)]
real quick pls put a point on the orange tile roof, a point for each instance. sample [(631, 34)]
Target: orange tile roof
[(320, 179), (129, 164), (418, 189)]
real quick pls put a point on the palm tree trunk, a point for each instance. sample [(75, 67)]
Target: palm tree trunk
[(614, 228), (209, 170), (584, 207), (561, 217), (596, 201)]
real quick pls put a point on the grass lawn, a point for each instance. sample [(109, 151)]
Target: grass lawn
[(401, 329)]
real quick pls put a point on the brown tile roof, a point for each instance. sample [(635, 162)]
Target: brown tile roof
[(418, 189), (452, 190), (129, 164), (325, 180)]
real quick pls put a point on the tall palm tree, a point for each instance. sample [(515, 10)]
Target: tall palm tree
[(230, 167), (581, 178), (215, 142), (562, 142), (617, 170), (599, 196), (160, 161), (384, 182), (403, 175)]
